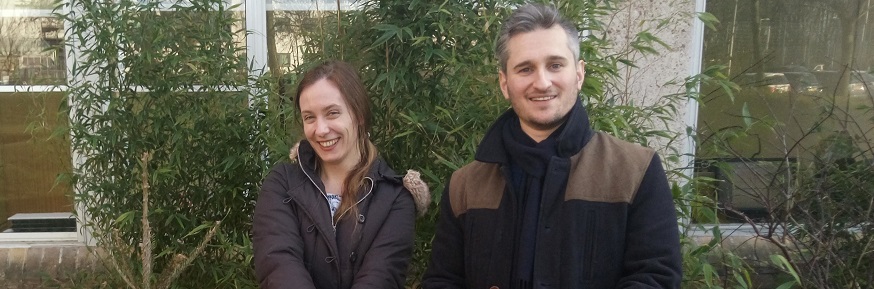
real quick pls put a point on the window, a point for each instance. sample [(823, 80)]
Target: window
[(31, 50), (805, 99), (31, 160), (291, 22), (34, 150)]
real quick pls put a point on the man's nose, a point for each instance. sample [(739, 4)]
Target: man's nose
[(542, 80)]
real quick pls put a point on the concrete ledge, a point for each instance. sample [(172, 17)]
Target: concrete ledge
[(26, 265)]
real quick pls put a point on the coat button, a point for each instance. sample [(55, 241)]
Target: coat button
[(353, 257), (329, 259), (360, 218)]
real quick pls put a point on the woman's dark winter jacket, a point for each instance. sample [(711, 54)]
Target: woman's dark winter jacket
[(606, 218), (297, 245)]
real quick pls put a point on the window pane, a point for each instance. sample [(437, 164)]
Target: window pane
[(804, 70), (31, 160), (285, 38), (31, 51), (291, 22), (36, 4), (309, 5)]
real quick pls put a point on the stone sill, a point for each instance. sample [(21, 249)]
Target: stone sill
[(26, 264)]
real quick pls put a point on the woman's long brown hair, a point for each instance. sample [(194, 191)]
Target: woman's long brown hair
[(345, 77)]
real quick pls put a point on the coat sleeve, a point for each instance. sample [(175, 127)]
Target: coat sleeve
[(385, 263), (446, 267), (277, 244), (652, 254)]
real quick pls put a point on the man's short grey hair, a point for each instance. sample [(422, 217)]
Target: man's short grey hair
[(530, 17)]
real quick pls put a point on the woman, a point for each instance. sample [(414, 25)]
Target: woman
[(336, 216)]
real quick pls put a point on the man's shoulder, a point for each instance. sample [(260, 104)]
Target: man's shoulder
[(607, 141), (475, 167), (605, 148), (610, 168), (477, 185), (476, 172)]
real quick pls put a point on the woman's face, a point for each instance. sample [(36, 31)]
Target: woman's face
[(329, 125)]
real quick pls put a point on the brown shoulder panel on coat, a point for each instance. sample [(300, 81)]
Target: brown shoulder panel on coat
[(610, 170), (477, 185)]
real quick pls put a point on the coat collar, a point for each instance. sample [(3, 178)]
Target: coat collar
[(573, 137), (306, 155)]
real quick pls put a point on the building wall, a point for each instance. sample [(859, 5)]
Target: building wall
[(655, 75)]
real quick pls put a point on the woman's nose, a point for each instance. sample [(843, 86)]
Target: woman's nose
[(322, 127)]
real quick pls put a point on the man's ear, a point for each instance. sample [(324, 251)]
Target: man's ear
[(581, 73), (502, 81)]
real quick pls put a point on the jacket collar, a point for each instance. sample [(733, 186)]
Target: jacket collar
[(576, 133), (304, 156)]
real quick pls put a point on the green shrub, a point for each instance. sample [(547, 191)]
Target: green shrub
[(150, 82)]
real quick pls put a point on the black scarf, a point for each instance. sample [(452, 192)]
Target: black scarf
[(528, 163)]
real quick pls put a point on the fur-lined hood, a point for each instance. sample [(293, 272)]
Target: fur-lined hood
[(412, 182)]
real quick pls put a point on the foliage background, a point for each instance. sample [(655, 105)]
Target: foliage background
[(151, 82)]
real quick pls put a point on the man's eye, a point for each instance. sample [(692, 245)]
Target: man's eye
[(556, 66), (525, 70)]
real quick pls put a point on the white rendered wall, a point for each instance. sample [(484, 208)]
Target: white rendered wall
[(658, 75)]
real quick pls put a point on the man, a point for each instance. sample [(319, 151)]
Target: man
[(548, 202)]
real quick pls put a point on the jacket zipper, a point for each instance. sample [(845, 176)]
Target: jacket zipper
[(328, 202), (369, 191)]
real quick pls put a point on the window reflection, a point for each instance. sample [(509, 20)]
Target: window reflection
[(31, 51), (34, 151), (793, 60), (804, 100), (25, 4), (291, 24)]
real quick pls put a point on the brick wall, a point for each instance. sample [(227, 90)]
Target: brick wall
[(29, 265)]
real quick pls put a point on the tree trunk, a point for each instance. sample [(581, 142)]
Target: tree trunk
[(757, 40), (848, 51), (272, 61)]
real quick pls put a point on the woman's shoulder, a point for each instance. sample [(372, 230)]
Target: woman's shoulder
[(410, 184), (283, 176), (419, 190), (284, 168)]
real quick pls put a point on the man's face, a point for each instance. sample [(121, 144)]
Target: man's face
[(542, 80)]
